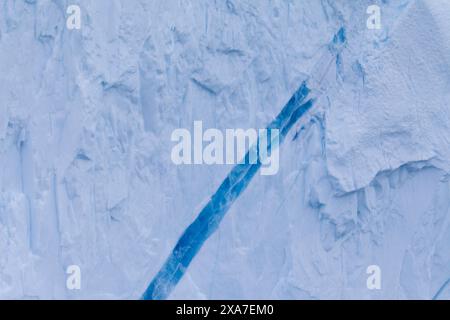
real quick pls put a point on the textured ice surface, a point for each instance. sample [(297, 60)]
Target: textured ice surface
[(85, 123)]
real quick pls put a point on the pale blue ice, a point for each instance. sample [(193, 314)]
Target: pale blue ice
[(87, 180)]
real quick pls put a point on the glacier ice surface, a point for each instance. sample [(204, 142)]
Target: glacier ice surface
[(85, 123)]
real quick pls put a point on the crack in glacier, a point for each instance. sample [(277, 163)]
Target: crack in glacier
[(441, 289)]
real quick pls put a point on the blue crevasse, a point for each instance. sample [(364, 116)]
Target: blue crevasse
[(210, 217)]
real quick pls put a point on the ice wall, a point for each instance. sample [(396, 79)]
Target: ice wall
[(85, 123)]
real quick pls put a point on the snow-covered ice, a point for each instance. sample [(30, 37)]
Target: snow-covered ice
[(86, 118)]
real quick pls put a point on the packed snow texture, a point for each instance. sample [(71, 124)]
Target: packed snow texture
[(87, 179)]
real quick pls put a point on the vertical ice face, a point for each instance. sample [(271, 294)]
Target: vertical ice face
[(85, 123)]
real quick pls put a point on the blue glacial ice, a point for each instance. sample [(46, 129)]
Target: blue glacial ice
[(85, 123), (235, 183)]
